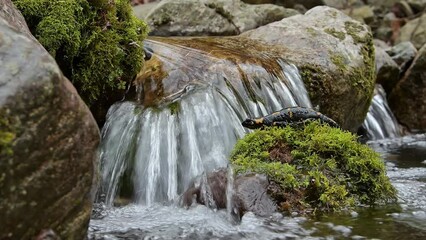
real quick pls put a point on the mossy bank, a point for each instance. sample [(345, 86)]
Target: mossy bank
[(314, 167), (96, 43)]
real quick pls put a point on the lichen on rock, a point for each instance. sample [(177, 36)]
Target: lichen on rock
[(97, 43), (328, 169)]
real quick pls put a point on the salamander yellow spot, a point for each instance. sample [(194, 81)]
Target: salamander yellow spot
[(259, 121), (290, 113)]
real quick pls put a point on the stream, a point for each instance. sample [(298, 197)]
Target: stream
[(187, 123), (405, 159)]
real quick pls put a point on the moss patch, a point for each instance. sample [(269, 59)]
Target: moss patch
[(337, 34), (97, 44), (329, 169), (7, 135)]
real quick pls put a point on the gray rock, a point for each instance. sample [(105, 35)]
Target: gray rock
[(408, 98), (249, 193), (9, 13), (335, 55), (363, 14), (387, 71), (339, 4), (402, 53), (48, 147), (141, 11), (211, 17), (414, 31), (380, 43)]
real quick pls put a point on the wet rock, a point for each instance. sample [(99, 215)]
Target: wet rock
[(250, 193), (387, 71), (408, 98), (402, 53), (48, 147), (414, 31), (211, 17), (335, 55)]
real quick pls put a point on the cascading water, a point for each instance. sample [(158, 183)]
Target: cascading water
[(380, 122), (155, 147)]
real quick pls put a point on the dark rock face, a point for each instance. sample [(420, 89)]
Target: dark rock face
[(48, 142), (408, 98), (387, 71), (249, 193)]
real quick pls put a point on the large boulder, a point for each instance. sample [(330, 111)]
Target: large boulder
[(211, 17), (414, 31), (48, 142), (408, 98), (335, 55)]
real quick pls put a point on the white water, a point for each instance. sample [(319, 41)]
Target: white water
[(380, 122), (163, 152)]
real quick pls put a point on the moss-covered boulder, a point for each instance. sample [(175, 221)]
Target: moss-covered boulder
[(48, 142), (97, 44), (314, 167), (335, 55)]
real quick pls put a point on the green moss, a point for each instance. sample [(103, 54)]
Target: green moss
[(329, 169), (97, 44), (335, 33), (353, 28), (7, 135), (311, 31), (174, 107)]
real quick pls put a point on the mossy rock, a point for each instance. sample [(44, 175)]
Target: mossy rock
[(314, 167), (335, 57), (97, 43)]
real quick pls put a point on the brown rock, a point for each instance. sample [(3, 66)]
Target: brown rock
[(408, 98), (48, 147)]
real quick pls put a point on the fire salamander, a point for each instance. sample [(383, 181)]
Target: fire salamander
[(288, 116)]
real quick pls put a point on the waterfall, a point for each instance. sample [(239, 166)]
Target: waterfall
[(380, 122), (154, 151)]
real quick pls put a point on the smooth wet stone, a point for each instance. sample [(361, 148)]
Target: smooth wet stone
[(335, 55), (49, 139), (408, 98), (414, 31), (211, 17), (249, 193)]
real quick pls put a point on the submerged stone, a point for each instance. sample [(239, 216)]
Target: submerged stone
[(248, 193)]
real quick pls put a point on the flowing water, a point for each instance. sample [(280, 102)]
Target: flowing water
[(406, 163), (380, 122), (150, 154)]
